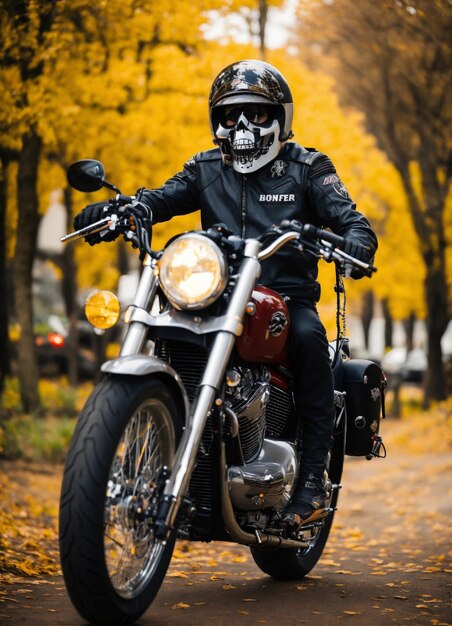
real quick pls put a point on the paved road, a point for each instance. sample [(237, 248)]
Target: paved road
[(386, 564)]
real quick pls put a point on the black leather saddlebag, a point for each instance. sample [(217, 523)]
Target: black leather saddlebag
[(364, 384)]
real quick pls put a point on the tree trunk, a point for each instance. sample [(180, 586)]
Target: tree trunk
[(437, 319), (27, 230), (4, 295), (388, 324), (69, 288), (263, 15), (428, 223), (367, 312), (408, 325)]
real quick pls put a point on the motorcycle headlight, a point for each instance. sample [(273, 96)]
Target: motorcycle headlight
[(193, 272)]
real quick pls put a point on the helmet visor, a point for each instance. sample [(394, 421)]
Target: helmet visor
[(257, 114)]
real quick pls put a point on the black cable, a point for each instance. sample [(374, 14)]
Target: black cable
[(340, 331)]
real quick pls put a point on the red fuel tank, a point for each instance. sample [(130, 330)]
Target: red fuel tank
[(265, 332)]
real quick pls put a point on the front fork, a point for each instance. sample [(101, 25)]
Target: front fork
[(147, 288)]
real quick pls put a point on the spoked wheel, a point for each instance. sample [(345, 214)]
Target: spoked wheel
[(292, 563), (125, 439)]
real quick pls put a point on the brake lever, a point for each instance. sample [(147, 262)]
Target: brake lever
[(108, 222), (329, 253)]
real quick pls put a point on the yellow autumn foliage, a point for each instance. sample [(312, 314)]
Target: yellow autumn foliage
[(134, 94)]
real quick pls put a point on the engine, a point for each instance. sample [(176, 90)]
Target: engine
[(247, 396), (262, 411), (267, 476)]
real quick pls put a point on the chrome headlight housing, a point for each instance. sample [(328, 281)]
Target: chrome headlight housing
[(193, 272)]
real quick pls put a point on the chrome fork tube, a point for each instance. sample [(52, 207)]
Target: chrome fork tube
[(147, 287), (224, 342), (211, 382)]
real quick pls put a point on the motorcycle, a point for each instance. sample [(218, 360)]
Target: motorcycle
[(192, 432)]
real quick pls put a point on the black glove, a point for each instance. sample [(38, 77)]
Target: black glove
[(93, 213), (356, 250)]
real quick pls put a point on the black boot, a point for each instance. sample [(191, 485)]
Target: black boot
[(308, 504)]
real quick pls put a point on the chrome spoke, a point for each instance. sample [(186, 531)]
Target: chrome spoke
[(147, 445)]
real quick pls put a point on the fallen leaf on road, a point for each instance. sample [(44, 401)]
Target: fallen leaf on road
[(177, 574), (351, 612), (432, 569), (329, 562), (180, 605), (240, 559)]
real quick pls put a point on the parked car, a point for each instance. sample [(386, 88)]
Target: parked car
[(52, 348), (409, 366)]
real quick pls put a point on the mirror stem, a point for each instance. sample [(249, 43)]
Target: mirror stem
[(110, 186)]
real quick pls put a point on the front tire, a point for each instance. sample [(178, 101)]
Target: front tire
[(292, 563), (113, 565)]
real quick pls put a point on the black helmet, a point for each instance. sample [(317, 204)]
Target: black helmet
[(251, 82)]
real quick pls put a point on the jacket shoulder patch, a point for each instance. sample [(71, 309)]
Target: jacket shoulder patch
[(321, 165)]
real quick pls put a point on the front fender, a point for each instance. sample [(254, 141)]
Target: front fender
[(142, 365)]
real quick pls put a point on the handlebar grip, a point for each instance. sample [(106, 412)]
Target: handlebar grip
[(313, 231), (122, 199)]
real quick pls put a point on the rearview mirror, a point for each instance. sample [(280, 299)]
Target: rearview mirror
[(88, 175)]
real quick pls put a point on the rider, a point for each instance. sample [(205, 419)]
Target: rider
[(254, 178)]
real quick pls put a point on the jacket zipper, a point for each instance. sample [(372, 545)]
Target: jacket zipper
[(243, 207)]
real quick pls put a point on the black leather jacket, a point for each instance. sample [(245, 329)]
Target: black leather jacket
[(300, 184)]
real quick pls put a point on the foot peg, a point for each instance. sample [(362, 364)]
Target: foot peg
[(316, 516)]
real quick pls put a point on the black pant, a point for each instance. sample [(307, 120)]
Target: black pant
[(313, 385)]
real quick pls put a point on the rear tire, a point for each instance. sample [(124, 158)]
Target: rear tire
[(292, 563), (112, 564)]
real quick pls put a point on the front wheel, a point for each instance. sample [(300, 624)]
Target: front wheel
[(113, 565), (292, 563)]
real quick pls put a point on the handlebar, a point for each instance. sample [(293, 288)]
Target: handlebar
[(317, 241), (277, 244), (311, 239)]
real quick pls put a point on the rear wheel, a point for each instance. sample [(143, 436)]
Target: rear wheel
[(293, 564), (112, 563)]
